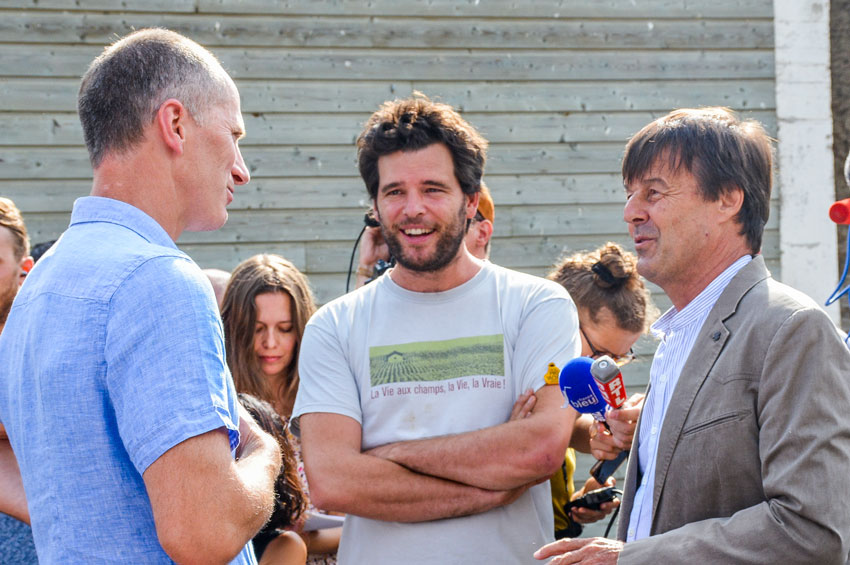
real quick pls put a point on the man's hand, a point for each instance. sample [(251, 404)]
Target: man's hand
[(250, 434), (588, 551), (606, 444), (586, 515), (372, 249), (524, 405)]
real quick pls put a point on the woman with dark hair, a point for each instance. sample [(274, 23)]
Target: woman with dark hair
[(265, 308), (614, 310), (276, 543)]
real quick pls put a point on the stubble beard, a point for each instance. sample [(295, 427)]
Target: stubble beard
[(7, 295), (448, 244)]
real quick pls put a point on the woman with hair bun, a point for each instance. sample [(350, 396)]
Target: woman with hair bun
[(264, 310), (614, 310)]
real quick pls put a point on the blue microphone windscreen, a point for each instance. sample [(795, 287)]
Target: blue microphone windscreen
[(579, 387)]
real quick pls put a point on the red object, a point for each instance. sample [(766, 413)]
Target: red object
[(840, 212), (608, 378), (614, 391)]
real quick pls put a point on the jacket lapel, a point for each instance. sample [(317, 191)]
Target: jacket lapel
[(707, 347)]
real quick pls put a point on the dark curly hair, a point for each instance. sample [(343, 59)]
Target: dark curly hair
[(289, 495), (415, 123)]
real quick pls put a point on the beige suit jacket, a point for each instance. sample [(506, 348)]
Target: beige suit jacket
[(753, 462)]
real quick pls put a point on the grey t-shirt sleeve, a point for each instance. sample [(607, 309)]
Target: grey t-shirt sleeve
[(327, 380), (548, 334)]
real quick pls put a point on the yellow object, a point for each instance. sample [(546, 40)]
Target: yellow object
[(552, 374), (562, 489)]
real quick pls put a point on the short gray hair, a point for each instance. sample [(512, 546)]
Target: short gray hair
[(125, 86)]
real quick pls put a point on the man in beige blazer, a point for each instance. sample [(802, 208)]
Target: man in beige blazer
[(743, 447)]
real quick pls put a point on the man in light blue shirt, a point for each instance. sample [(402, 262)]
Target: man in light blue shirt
[(116, 397), (743, 444)]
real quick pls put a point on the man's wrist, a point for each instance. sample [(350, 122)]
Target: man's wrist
[(365, 271)]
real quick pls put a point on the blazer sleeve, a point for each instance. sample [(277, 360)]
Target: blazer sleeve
[(803, 412)]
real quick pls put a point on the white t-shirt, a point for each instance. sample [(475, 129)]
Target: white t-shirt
[(410, 365)]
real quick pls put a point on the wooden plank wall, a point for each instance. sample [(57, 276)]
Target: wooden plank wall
[(557, 86)]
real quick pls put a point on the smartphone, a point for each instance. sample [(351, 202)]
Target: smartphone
[(594, 499)]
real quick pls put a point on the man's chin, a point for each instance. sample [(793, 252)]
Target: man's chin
[(209, 224), (424, 265)]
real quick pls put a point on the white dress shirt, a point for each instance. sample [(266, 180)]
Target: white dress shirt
[(677, 331)]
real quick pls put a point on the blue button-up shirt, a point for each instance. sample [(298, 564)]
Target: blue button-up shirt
[(677, 331), (112, 354)]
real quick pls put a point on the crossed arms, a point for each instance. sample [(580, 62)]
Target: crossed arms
[(433, 478)]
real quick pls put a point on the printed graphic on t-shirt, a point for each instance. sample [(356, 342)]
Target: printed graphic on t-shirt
[(437, 360)]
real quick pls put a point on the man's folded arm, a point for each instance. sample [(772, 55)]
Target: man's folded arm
[(207, 505), (343, 479), (500, 457)]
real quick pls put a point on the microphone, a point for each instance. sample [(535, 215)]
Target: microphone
[(606, 374), (580, 390), (608, 377)]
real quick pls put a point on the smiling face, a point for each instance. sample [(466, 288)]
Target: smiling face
[(215, 164), (275, 336), (422, 209), (681, 240)]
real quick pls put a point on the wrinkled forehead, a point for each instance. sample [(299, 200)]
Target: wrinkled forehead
[(648, 161), (665, 166)]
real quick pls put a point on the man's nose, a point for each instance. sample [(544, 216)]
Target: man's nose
[(634, 212), (240, 170), (414, 204)]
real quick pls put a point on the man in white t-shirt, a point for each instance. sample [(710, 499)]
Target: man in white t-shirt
[(407, 384)]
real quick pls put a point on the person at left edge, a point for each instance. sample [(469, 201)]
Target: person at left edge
[(407, 383), (116, 397), (16, 545)]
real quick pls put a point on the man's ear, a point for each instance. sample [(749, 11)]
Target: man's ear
[(170, 124), (485, 231), (730, 202)]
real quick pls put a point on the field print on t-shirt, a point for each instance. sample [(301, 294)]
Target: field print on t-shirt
[(437, 360)]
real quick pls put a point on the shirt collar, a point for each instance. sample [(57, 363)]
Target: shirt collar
[(100, 209), (698, 308)]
